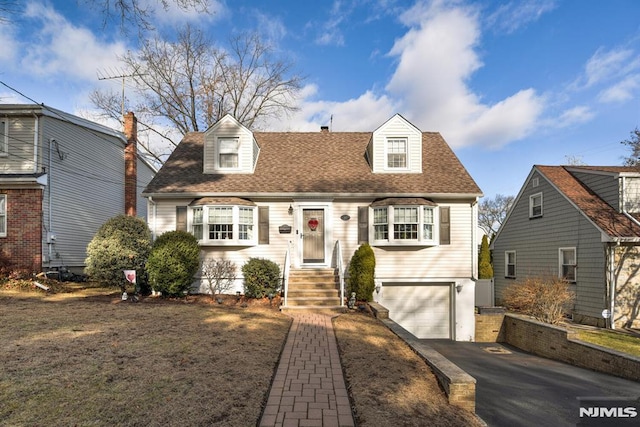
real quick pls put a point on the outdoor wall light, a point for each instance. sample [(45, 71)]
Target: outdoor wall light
[(459, 288), (290, 210), (237, 295), (378, 285)]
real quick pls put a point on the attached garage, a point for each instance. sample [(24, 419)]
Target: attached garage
[(424, 309)]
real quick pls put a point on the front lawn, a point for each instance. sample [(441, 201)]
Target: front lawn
[(618, 341)]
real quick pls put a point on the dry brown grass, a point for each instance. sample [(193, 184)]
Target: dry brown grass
[(100, 361), (81, 356), (389, 384)]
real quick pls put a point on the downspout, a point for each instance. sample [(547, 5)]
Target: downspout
[(153, 212), (612, 284), (474, 239), (50, 200), (36, 138)]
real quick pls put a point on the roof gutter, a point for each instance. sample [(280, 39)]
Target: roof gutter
[(464, 196)]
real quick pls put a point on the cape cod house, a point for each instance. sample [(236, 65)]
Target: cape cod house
[(61, 178), (307, 200), (580, 223)]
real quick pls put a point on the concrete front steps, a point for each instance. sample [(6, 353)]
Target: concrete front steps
[(313, 289)]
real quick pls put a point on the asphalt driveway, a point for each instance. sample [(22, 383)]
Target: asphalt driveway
[(515, 388)]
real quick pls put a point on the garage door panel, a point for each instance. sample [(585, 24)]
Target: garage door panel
[(423, 310)]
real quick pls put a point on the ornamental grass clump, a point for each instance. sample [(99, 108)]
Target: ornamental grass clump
[(547, 299), (173, 263), (261, 278)]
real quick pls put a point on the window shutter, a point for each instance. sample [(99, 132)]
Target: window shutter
[(263, 225), (363, 224), (445, 226), (181, 218)]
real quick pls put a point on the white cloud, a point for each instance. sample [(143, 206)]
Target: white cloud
[(621, 91), (59, 47), (511, 16), (436, 59), (573, 116), (604, 65), (9, 51)]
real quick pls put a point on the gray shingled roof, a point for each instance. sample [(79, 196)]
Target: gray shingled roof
[(314, 162)]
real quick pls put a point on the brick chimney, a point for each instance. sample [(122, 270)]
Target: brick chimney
[(130, 164)]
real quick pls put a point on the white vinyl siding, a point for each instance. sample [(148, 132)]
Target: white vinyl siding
[(229, 147), (396, 147), (3, 215), (17, 145), (631, 194)]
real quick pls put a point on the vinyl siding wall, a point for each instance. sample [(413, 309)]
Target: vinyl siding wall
[(537, 241), (20, 158), (86, 188), (394, 128), (606, 187), (446, 262)]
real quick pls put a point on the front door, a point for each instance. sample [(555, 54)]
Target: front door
[(313, 236)]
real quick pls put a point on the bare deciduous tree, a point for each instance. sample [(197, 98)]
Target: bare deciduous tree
[(139, 12), (220, 275), (492, 212), (190, 83), (633, 143)]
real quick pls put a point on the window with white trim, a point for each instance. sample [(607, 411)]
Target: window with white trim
[(228, 153), (535, 205), (510, 264), (224, 225), (4, 137), (567, 264), (3, 215), (408, 225), (397, 153)]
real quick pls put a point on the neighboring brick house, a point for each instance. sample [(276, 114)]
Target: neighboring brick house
[(581, 223), (61, 178), (307, 200)]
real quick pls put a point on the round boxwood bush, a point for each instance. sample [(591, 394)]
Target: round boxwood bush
[(261, 278), (173, 262), (362, 269), (121, 243)]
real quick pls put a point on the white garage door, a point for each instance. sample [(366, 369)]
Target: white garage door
[(423, 310)]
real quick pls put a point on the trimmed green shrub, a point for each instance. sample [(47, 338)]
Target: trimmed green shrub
[(261, 277), (173, 263), (485, 269), (121, 243), (362, 269)]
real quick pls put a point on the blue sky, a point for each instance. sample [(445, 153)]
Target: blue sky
[(509, 84)]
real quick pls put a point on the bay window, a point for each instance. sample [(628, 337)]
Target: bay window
[(409, 225), (225, 225)]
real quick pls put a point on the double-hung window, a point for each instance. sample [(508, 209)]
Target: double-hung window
[(224, 225), (510, 264), (405, 225), (4, 137), (228, 153), (397, 153), (535, 205), (3, 215), (567, 264)]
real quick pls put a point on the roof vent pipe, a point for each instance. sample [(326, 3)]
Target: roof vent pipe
[(324, 129)]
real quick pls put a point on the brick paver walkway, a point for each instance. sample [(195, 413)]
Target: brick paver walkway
[(309, 387)]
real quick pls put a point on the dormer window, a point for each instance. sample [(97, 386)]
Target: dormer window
[(397, 153), (228, 153)]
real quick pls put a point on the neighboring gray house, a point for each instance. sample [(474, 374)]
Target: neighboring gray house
[(308, 200), (581, 223), (61, 178)]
